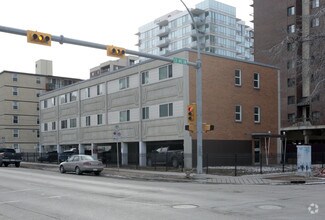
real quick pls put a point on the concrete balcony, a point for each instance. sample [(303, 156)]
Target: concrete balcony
[(195, 45), (163, 43), (164, 31)]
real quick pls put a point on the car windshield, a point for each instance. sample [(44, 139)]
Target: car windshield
[(86, 157)]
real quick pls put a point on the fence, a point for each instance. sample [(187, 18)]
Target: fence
[(222, 164)]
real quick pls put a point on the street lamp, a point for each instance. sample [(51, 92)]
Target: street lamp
[(199, 168)]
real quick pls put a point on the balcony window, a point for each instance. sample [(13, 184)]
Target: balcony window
[(315, 4)]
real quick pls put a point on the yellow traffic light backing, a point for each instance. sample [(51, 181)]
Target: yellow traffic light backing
[(39, 38), (115, 51), (191, 113)]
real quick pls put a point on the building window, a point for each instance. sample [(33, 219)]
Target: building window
[(37, 133), (238, 77), (88, 121), (290, 64), (166, 110), (53, 101), (145, 77), (73, 123), (63, 99), (87, 92), (64, 124), (37, 107), (257, 114), (46, 127), (53, 126), (14, 77), (290, 47), (291, 117), (37, 121), (165, 72), (145, 113), (73, 96), (314, 22), (100, 89), (15, 133), (99, 119), (124, 83), (238, 113), (14, 91), (291, 11), (15, 119), (291, 29), (15, 105), (256, 81), (291, 82), (315, 116), (38, 80), (315, 3), (291, 100), (125, 116), (45, 103)]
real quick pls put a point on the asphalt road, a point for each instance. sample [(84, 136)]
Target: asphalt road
[(38, 194)]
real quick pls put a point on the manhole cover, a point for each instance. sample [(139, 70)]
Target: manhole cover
[(184, 206), (270, 207)]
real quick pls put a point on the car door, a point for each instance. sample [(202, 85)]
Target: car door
[(69, 164)]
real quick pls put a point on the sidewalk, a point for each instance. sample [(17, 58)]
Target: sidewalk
[(258, 179)]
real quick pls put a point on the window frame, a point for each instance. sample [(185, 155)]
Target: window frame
[(238, 77), (238, 112), (125, 116), (15, 105), (15, 119), (64, 124), (88, 121), (169, 110), (144, 77), (257, 115), (15, 91), (256, 81), (145, 113), (291, 11), (15, 133), (15, 77), (100, 119), (124, 83), (165, 75)]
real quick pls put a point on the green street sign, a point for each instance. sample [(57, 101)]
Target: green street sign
[(179, 60)]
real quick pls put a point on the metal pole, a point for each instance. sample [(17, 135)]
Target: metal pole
[(199, 134), (117, 156)]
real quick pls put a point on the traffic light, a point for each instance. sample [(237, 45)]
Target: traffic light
[(191, 113), (39, 38), (115, 51)]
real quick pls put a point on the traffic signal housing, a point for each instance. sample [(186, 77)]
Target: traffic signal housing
[(191, 113), (39, 38), (114, 51), (207, 127)]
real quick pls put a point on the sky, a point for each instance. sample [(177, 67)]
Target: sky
[(105, 22)]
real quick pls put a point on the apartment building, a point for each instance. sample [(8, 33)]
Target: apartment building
[(220, 32), (289, 36), (146, 104), (19, 105)]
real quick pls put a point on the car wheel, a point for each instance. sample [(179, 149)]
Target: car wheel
[(62, 170), (78, 171), (175, 163), (6, 164), (17, 164), (149, 162), (97, 173)]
